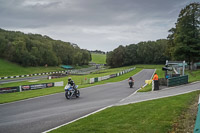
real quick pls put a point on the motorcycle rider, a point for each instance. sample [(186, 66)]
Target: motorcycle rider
[(131, 81), (72, 84)]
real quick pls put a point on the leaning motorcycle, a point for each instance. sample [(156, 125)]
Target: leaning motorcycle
[(70, 92), (131, 83)]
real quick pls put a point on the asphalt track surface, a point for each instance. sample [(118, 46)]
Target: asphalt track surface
[(43, 113)]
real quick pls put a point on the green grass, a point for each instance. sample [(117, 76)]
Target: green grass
[(193, 75), (10, 69), (10, 97), (156, 116), (99, 58), (147, 88)]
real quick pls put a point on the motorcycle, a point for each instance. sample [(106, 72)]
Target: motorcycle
[(131, 83), (70, 92)]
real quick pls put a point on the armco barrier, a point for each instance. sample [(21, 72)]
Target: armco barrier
[(99, 78), (92, 80), (113, 75), (197, 123), (105, 77), (177, 81), (96, 79), (29, 75)]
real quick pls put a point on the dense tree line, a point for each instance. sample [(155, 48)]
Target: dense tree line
[(97, 52), (151, 52), (183, 43), (38, 50), (184, 39)]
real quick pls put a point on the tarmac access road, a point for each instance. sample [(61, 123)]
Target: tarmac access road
[(43, 113)]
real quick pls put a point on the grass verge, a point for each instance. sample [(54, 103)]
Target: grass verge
[(147, 88), (193, 75), (155, 116)]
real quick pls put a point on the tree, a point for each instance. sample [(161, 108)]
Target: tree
[(131, 55), (186, 36), (116, 58), (38, 50)]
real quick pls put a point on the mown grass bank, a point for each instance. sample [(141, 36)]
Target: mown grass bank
[(8, 68), (99, 58), (10, 97), (156, 116), (12, 69)]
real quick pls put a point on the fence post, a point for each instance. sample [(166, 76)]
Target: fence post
[(20, 88)]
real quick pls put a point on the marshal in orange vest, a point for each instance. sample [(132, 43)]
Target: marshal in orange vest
[(155, 77)]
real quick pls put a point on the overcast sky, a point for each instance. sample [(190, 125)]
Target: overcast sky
[(93, 24)]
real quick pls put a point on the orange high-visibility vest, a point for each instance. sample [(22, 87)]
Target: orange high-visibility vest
[(155, 77)]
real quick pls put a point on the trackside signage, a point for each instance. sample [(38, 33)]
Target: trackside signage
[(36, 86), (29, 87), (9, 89)]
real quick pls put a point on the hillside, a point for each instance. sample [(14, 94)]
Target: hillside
[(38, 50), (10, 69), (99, 58)]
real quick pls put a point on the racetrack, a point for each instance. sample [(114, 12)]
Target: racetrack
[(43, 113)]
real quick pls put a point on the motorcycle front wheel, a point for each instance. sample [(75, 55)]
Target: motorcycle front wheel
[(78, 93), (67, 94)]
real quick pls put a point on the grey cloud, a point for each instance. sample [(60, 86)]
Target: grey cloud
[(101, 24)]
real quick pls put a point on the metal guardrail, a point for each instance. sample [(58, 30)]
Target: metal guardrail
[(97, 79), (197, 124), (30, 75)]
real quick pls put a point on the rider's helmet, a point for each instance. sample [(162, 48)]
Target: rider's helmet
[(69, 79)]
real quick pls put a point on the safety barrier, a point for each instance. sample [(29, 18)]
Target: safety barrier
[(97, 79), (30, 75), (29, 87), (177, 80), (197, 123), (76, 71)]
